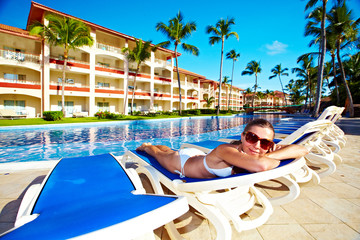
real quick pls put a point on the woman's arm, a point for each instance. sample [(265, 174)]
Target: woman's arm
[(282, 152), (251, 163)]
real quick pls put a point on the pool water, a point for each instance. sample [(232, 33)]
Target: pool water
[(43, 143)]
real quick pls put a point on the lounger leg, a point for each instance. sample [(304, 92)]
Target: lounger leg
[(294, 192), (214, 215)]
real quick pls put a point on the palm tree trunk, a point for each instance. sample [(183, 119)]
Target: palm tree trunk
[(232, 79), (178, 76), (133, 93), (283, 90), (335, 81), (321, 65), (255, 87), (221, 63), (63, 85), (348, 92)]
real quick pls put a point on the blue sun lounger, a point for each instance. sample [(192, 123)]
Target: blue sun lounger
[(92, 197)]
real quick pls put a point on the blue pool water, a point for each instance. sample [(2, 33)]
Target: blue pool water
[(43, 143)]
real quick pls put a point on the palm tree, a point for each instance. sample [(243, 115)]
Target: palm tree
[(66, 32), (331, 47), (138, 55), (304, 72), (221, 31), (310, 4), (177, 31), (278, 71), (234, 56), (346, 31), (253, 67), (209, 101)]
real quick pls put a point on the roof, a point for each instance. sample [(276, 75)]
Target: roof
[(38, 10), (16, 31), (189, 73)]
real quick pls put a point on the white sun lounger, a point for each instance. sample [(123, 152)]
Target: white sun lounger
[(92, 197), (220, 200)]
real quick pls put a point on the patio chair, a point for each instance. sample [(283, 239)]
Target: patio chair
[(92, 197), (221, 199), (9, 113)]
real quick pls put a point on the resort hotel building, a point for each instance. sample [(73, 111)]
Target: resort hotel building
[(96, 76)]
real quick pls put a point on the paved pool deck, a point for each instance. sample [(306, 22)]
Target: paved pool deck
[(328, 211)]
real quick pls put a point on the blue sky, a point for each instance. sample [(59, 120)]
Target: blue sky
[(270, 31)]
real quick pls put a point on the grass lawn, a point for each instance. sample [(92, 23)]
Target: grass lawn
[(38, 121)]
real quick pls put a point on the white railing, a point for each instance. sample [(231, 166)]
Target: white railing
[(69, 85), (69, 60), (162, 62), (19, 81), (19, 56), (108, 48)]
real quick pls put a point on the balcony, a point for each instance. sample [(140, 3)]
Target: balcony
[(163, 63), (11, 83), (70, 63), (109, 48), (69, 87), (19, 57)]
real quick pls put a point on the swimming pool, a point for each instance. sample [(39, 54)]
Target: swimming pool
[(52, 142)]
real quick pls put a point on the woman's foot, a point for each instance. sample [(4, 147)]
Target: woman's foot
[(143, 146)]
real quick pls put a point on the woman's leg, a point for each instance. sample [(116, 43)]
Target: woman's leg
[(167, 157)]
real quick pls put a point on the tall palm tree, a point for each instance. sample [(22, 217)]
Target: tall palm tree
[(346, 31), (331, 48), (278, 71), (220, 32), (253, 67), (66, 32), (311, 4), (304, 72), (138, 55), (234, 56), (177, 31)]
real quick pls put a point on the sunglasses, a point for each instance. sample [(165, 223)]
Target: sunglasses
[(252, 138)]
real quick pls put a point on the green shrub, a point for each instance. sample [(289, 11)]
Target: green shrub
[(52, 115)]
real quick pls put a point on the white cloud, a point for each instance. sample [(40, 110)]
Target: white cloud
[(275, 48)]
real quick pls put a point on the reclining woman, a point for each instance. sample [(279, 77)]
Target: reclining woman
[(256, 152)]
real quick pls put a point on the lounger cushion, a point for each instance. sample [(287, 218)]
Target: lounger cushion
[(83, 195)]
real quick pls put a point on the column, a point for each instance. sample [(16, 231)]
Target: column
[(126, 80), (152, 73), (92, 78), (45, 75)]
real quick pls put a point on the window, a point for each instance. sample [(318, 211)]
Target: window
[(103, 64), (103, 106), (11, 77), (68, 80), (17, 105), (103, 85), (69, 107)]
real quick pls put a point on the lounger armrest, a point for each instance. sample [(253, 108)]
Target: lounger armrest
[(26, 205)]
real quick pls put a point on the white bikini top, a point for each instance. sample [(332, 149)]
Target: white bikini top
[(221, 172)]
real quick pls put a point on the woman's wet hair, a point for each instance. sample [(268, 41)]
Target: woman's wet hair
[(261, 123)]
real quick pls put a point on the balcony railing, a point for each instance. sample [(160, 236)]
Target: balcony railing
[(162, 62), (70, 85), (20, 81), (108, 48), (19, 56)]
